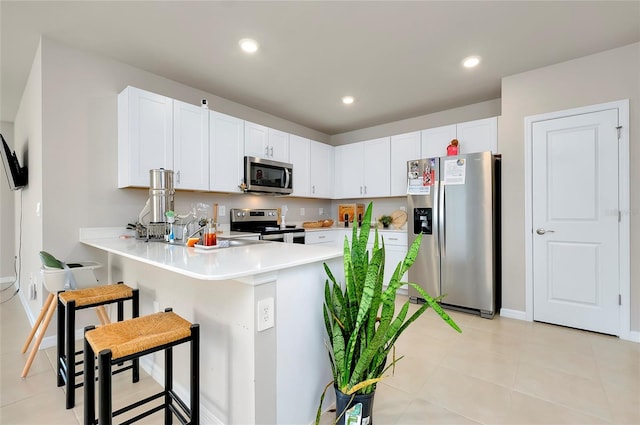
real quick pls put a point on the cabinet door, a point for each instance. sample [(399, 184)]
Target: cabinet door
[(226, 141), (435, 141), (278, 146), (256, 140), (404, 147), (321, 169), (299, 156), (190, 146), (145, 135), (478, 136), (349, 171), (377, 168)]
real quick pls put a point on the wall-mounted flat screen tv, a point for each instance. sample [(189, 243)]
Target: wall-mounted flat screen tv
[(16, 174)]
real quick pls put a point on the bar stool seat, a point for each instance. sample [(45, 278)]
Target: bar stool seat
[(129, 339), (68, 303)]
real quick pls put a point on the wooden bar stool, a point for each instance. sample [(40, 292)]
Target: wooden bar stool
[(68, 303), (131, 339)]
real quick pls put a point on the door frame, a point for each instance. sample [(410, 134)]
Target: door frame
[(624, 329)]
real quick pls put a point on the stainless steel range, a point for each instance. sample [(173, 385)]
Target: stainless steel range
[(265, 222)]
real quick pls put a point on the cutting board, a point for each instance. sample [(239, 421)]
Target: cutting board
[(398, 218)]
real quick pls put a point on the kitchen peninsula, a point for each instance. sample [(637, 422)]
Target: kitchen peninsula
[(251, 371)]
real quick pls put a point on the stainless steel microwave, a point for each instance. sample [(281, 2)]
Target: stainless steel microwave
[(267, 176)]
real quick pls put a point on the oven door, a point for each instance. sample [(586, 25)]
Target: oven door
[(266, 176), (286, 237)]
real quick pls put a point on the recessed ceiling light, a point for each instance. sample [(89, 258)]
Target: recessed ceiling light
[(471, 61), (248, 45), (347, 100)]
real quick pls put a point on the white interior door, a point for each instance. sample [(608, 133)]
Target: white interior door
[(575, 221)]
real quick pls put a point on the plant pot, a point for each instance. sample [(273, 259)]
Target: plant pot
[(364, 400), (386, 226)]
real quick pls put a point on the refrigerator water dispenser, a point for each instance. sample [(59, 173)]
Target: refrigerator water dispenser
[(422, 221)]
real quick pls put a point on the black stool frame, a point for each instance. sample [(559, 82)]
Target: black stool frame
[(66, 356), (189, 415)]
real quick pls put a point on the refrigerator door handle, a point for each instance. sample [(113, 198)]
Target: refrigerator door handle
[(441, 222)]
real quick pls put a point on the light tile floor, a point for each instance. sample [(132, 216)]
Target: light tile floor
[(498, 371)]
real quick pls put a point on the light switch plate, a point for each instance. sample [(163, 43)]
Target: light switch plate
[(266, 314), (222, 210)]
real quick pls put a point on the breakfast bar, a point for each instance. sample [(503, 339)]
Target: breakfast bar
[(259, 306)]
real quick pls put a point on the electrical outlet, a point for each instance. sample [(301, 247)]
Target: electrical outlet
[(302, 212), (222, 210), (156, 307), (265, 314), (320, 211), (403, 208)]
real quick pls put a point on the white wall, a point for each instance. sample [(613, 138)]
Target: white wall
[(7, 228), (604, 77)]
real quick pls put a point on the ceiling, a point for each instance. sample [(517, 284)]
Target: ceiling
[(398, 59)]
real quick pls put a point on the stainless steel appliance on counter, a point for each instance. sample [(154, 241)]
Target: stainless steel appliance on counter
[(152, 219), (454, 202), (264, 222), (267, 176)]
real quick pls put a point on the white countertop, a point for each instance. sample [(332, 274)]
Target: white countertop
[(218, 264)]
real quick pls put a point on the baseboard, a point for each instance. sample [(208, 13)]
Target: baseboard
[(633, 336), (513, 314)]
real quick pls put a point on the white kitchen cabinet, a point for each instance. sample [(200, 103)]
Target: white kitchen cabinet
[(264, 142), (363, 169), (321, 158), (226, 141), (145, 135), (299, 155), (435, 141), (190, 146), (473, 136), (321, 237), (404, 147)]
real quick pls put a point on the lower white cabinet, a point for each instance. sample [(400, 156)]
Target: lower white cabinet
[(320, 237)]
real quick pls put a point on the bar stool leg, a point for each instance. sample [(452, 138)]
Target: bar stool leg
[(135, 312), (70, 353), (104, 387), (168, 384), (195, 374), (60, 363), (89, 381), (43, 311), (36, 345)]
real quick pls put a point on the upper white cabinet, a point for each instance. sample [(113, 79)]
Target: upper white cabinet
[(190, 146), (264, 142), (404, 147), (473, 136), (299, 157), (226, 144), (312, 167), (145, 135), (321, 165), (363, 169)]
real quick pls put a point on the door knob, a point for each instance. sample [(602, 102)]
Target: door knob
[(542, 231)]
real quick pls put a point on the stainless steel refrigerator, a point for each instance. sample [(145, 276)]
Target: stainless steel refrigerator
[(454, 201)]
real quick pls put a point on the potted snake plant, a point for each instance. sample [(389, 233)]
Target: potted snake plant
[(362, 324)]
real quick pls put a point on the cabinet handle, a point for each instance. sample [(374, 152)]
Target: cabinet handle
[(365, 190), (266, 151), (321, 237), (271, 151), (393, 239), (360, 190), (178, 176), (313, 188)]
